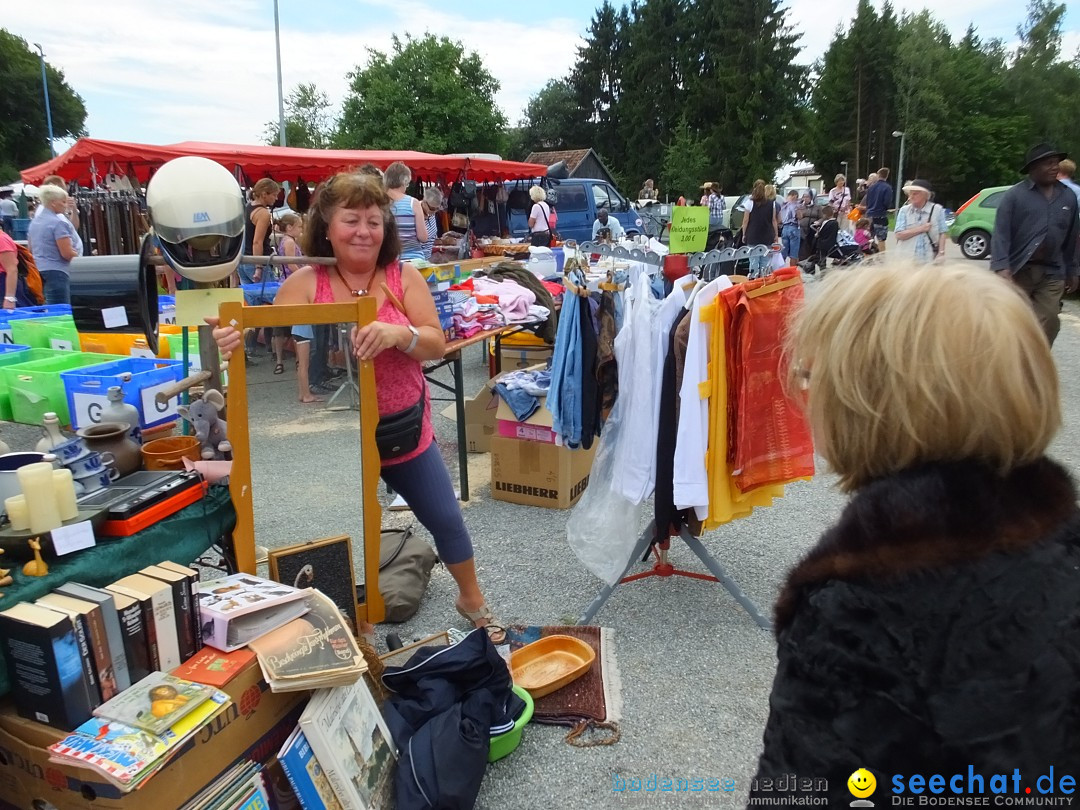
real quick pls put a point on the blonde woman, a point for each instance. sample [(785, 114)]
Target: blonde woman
[(840, 200), (539, 227), (938, 621)]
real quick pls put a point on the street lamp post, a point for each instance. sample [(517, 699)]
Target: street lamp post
[(48, 108), (280, 97), (900, 167)]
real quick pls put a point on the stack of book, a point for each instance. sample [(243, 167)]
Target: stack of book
[(242, 787), (79, 646), (341, 755), (240, 608), (134, 735), (313, 652)]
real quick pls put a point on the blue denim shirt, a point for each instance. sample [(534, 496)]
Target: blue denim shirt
[(564, 397)]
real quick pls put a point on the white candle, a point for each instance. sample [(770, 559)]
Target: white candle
[(17, 512), (37, 485), (65, 494)]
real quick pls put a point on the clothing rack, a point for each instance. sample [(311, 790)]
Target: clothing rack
[(706, 265), (663, 568)]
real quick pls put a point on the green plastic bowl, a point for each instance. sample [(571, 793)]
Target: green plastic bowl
[(505, 744)]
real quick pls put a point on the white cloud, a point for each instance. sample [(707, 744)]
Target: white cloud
[(161, 71)]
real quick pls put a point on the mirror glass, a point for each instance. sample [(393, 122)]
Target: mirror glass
[(306, 457)]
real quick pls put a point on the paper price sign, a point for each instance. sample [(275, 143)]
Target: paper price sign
[(88, 408), (689, 229), (152, 410)]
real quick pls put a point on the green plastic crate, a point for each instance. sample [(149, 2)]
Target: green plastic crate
[(12, 358), (47, 333), (37, 387)]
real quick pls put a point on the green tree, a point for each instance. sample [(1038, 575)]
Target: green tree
[(686, 162), (428, 95), (24, 132), (552, 120), (307, 119), (597, 82)]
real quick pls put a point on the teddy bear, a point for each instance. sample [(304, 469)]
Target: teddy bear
[(209, 428)]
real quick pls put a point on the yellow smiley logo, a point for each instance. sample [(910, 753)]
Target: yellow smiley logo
[(862, 783)]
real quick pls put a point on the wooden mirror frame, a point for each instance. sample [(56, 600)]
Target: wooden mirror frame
[(362, 312)]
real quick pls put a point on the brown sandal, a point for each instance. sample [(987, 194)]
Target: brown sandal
[(495, 629)]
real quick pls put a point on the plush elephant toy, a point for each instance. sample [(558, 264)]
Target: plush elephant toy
[(209, 429)]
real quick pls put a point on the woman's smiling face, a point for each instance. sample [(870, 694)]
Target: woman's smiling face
[(356, 234)]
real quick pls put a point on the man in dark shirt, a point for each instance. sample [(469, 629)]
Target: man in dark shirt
[(879, 198), (1035, 233)]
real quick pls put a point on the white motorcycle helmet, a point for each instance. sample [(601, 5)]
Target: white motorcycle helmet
[(196, 209)]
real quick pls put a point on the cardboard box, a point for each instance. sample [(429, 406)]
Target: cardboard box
[(512, 358), (479, 419), (254, 727), (537, 428), (538, 474)]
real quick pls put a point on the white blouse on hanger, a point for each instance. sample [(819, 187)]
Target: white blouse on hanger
[(692, 437)]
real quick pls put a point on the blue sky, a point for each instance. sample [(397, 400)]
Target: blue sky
[(161, 72)]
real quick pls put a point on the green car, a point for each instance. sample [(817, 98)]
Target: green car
[(974, 222)]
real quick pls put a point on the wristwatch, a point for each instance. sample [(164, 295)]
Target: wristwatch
[(11, 298), (415, 338)]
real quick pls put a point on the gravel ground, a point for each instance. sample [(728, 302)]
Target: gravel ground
[(696, 670)]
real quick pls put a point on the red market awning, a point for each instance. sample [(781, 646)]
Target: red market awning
[(91, 159)]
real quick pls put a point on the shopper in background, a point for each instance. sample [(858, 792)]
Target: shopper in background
[(648, 191), (1066, 170), (921, 232), (759, 226), (258, 226), (432, 202), (539, 224), (790, 236), (9, 270), (840, 200), (877, 204), (52, 241), (9, 210), (350, 219), (936, 626), (1035, 236), (407, 211), (292, 227)]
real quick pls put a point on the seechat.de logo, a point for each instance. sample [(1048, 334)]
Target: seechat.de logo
[(862, 785)]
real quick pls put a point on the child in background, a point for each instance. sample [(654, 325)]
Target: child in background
[(293, 228), (862, 237)]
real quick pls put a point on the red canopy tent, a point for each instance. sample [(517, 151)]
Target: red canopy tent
[(90, 158)]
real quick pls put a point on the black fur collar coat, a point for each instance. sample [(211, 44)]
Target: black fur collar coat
[(936, 626)]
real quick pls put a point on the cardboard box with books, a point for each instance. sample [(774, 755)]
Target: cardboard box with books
[(253, 726)]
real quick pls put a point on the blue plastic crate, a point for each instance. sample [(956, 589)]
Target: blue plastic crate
[(21, 313), (260, 293), (87, 389), (8, 348)]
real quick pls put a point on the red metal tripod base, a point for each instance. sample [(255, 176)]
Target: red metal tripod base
[(662, 568)]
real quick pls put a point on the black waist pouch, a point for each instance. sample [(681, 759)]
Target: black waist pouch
[(398, 433)]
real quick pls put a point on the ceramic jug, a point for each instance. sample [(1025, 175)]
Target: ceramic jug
[(50, 424), (119, 411), (112, 437)]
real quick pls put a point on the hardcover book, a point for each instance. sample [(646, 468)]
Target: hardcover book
[(45, 665), (306, 776), (352, 743), (127, 755), (183, 606), (214, 667), (113, 632), (139, 644), (193, 580), (155, 703), (164, 615), (239, 608), (86, 653)]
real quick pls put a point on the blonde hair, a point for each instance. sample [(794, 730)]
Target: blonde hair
[(48, 194), (287, 219), (905, 365), (1067, 167), (266, 186), (537, 194), (770, 192)]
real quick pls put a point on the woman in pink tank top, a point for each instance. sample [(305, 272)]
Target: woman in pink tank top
[(350, 219)]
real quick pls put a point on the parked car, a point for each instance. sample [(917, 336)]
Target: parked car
[(577, 199), (974, 222)]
